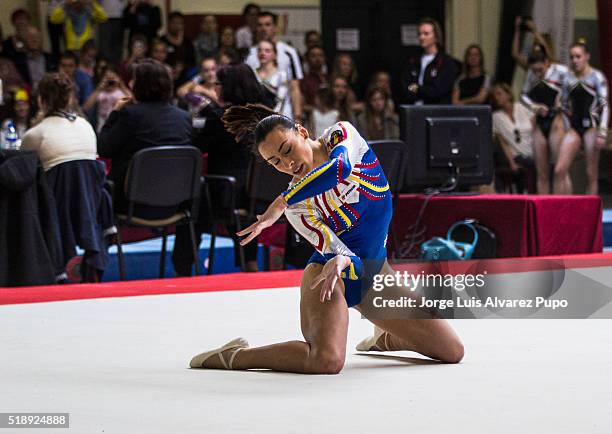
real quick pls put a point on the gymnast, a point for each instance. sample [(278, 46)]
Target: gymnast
[(339, 200), (585, 98)]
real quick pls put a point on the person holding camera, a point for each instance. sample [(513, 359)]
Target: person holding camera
[(534, 41), (110, 89)]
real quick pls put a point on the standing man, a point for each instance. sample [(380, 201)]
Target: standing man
[(286, 57), (110, 33), (429, 79)]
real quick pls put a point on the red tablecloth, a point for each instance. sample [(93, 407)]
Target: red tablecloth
[(524, 225)]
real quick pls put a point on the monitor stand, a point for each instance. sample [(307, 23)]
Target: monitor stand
[(448, 188)]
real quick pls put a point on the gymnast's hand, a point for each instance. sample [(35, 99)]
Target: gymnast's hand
[(329, 275), (267, 219)]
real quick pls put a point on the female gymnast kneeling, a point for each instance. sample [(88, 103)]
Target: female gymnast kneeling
[(339, 200)]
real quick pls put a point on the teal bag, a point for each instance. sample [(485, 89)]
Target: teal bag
[(447, 249)]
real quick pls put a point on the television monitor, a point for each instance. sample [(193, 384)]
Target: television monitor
[(448, 147)]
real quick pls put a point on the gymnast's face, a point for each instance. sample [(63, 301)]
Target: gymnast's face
[(579, 58), (288, 151)]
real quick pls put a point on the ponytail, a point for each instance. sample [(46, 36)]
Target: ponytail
[(253, 122)]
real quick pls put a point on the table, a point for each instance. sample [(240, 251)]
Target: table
[(525, 225)]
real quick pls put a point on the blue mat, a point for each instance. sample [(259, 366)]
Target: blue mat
[(607, 227), (142, 258)]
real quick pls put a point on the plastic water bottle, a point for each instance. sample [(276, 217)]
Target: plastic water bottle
[(11, 138)]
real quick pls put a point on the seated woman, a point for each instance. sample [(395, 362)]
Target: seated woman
[(109, 90), (66, 145), (143, 121), (513, 126), (235, 85), (376, 122), (19, 113), (201, 89), (585, 96), (341, 95), (62, 135), (341, 170)]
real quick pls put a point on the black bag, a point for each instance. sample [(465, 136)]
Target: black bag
[(486, 248)]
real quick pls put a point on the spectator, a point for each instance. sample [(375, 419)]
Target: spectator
[(20, 113), (340, 92), (429, 79), (274, 81), (16, 43), (202, 85), (142, 18), (138, 51), (206, 44), (537, 42), (108, 92), (56, 31), (84, 85), (585, 95), (33, 63), (79, 18), (224, 59), (145, 120), (473, 85), (542, 93), (180, 47), (100, 69), (244, 35), (287, 58), (513, 127), (382, 79), (87, 58), (62, 135), (237, 85), (227, 43), (344, 66), (376, 122), (315, 78), (110, 33), (159, 50), (312, 38), (323, 114), (11, 79)]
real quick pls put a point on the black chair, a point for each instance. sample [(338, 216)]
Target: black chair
[(264, 184), (390, 154), (223, 190), (164, 181)]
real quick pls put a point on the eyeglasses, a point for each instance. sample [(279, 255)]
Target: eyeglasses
[(517, 136)]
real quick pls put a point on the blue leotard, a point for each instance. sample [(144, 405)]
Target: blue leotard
[(344, 207)]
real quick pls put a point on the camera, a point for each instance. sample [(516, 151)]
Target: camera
[(524, 20)]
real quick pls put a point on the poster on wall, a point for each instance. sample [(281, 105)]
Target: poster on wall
[(409, 35), (347, 39)]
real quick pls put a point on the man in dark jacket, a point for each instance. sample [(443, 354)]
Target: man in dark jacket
[(430, 78)]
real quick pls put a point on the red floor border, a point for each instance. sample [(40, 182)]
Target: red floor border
[(280, 279)]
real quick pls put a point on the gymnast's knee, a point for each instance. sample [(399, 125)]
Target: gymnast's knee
[(327, 362)]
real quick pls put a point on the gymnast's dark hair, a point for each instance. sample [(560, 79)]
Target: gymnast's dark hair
[(253, 122), (539, 56)]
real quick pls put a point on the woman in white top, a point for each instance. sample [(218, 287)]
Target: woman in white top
[(62, 135), (513, 125), (275, 82)]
